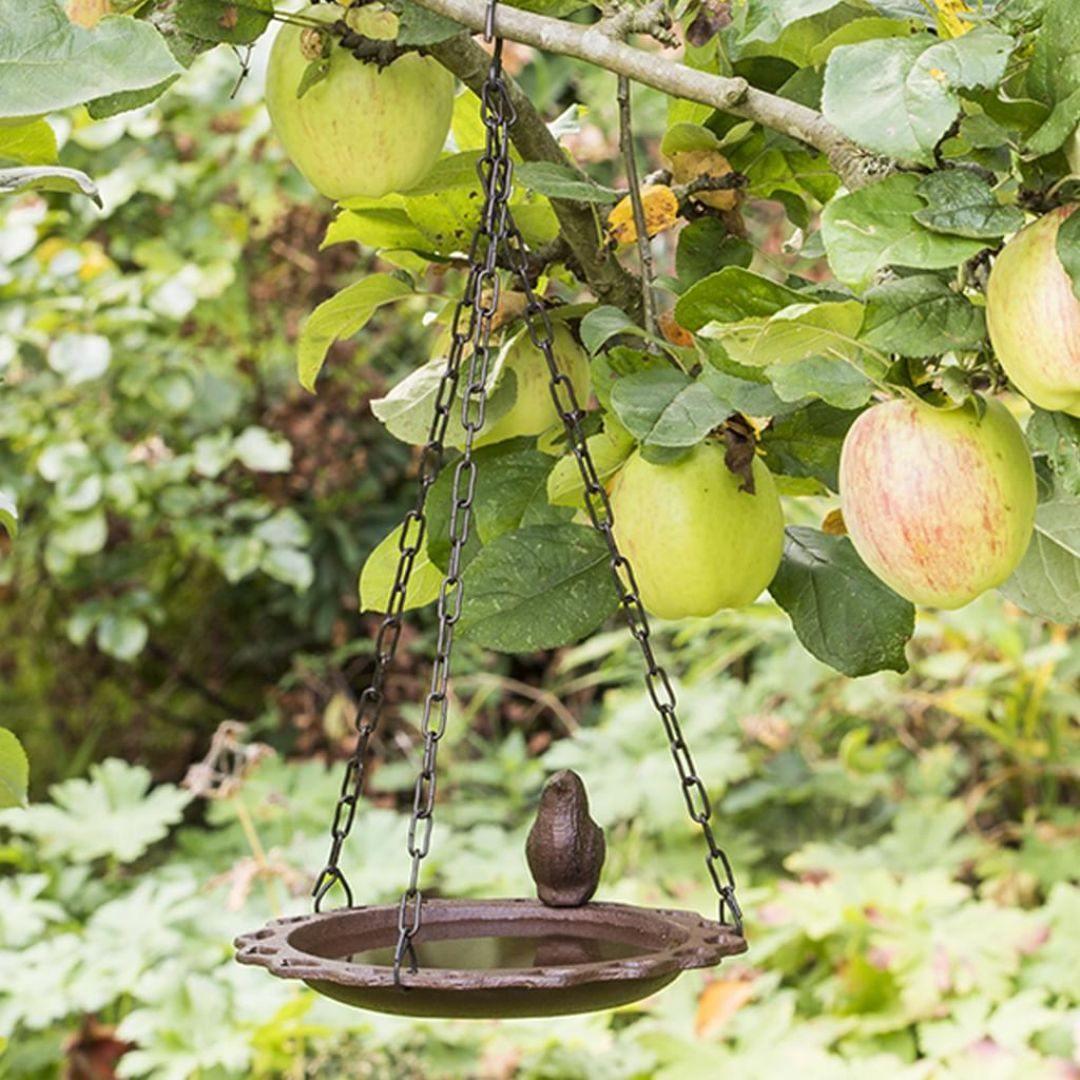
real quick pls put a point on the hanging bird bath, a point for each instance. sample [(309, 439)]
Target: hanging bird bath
[(559, 953)]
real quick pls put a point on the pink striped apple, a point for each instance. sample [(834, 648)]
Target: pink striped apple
[(940, 503), (1034, 316)]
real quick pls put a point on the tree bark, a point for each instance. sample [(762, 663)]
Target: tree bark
[(597, 45), (591, 259)]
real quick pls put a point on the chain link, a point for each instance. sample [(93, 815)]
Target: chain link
[(472, 326)]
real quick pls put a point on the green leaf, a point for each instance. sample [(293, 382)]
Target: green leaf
[(872, 28), (608, 450), (290, 566), (48, 63), (898, 96), (316, 72), (962, 203), (795, 333), (232, 23), (408, 409), (766, 20), (1047, 581), (1068, 249), (380, 571), (732, 295), (14, 771), (876, 227), (604, 323), (706, 247), (33, 143), (263, 451), (419, 26), (746, 389), (682, 137), (562, 182), (921, 316), (798, 40), (538, 588), (382, 224), (48, 178), (511, 490), (113, 814), (665, 407), (777, 169), (844, 615), (831, 379), (1057, 435), (342, 316), (1054, 76), (9, 514), (807, 442), (121, 636)]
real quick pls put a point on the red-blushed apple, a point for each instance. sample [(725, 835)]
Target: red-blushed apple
[(940, 503), (1034, 316), (359, 130), (696, 542)]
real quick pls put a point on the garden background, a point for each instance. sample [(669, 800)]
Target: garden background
[(192, 525)]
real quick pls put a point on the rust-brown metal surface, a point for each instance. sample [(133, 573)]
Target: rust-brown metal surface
[(582, 958)]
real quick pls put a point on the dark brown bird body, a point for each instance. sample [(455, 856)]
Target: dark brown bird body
[(565, 849)]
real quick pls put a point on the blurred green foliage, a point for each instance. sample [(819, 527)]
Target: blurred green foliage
[(191, 529)]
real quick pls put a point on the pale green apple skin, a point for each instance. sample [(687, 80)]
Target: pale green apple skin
[(359, 131), (695, 541), (940, 504), (533, 411), (1034, 316)]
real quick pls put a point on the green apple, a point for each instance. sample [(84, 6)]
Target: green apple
[(533, 411), (940, 503), (696, 542), (359, 131), (1034, 316)]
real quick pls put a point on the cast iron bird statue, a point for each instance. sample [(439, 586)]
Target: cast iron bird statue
[(565, 848)]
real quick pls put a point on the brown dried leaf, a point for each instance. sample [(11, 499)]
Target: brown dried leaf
[(741, 441), (719, 1002), (93, 1052), (712, 17), (834, 524), (661, 212), (673, 332)]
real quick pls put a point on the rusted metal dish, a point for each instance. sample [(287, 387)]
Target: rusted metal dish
[(491, 958)]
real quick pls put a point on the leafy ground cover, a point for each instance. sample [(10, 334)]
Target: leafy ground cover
[(190, 532)]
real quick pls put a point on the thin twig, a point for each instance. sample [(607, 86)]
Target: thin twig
[(626, 145)]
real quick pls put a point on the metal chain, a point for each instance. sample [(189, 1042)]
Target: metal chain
[(471, 323), (496, 174), (600, 514)]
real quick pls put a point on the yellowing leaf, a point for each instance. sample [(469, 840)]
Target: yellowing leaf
[(661, 212), (952, 21), (719, 1002), (87, 12), (689, 165)]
